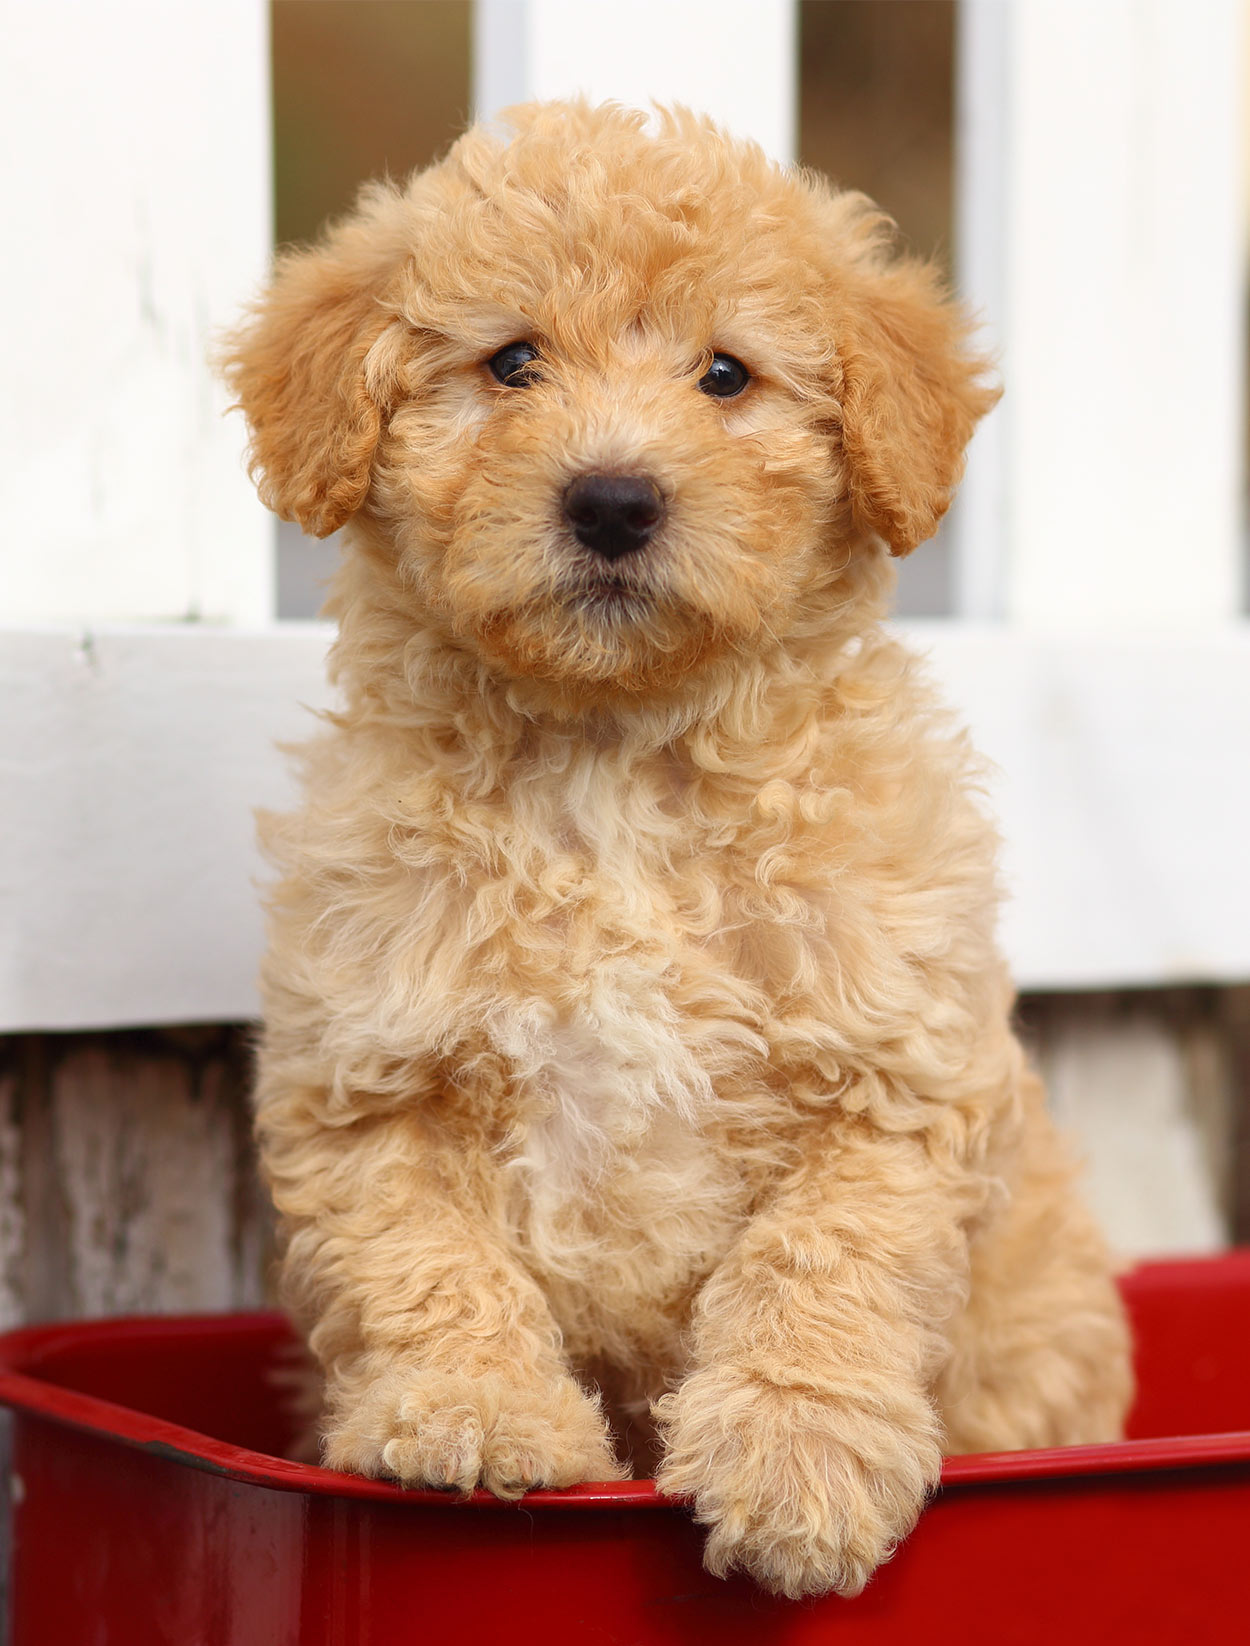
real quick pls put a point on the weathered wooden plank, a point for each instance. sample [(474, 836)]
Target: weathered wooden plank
[(129, 1177), (1235, 1022), (1144, 1083), (12, 1215)]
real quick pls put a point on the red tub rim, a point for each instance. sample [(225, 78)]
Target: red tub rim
[(24, 1391)]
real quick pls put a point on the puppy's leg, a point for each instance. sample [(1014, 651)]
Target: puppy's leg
[(1041, 1356), (806, 1433), (442, 1362)]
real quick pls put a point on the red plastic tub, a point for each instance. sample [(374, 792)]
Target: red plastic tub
[(150, 1507)]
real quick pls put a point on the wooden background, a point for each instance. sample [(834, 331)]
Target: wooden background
[(127, 1177)]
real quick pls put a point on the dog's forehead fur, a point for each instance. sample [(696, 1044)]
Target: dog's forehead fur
[(627, 254), (584, 224)]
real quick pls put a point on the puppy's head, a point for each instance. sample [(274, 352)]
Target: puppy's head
[(607, 404)]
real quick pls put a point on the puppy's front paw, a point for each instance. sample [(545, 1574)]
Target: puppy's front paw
[(802, 1493), (430, 1428)]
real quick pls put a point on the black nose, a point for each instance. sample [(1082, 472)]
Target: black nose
[(613, 514)]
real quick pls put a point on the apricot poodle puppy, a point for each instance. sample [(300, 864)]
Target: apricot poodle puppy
[(635, 1032)]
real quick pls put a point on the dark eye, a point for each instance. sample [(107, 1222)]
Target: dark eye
[(725, 377), (514, 366)]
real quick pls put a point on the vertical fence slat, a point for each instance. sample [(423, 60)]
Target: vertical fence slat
[(1121, 310), (136, 176), (979, 518), (732, 59)]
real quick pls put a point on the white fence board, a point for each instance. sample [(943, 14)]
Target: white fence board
[(732, 59), (135, 143), (1123, 792), (978, 520), (1121, 306), (129, 767)]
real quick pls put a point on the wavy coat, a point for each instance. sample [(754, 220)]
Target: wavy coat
[(634, 1022)]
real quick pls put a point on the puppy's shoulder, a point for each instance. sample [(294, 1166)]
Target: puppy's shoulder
[(884, 708)]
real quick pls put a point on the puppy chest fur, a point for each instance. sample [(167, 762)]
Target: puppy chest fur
[(630, 963), (620, 1071), (556, 952)]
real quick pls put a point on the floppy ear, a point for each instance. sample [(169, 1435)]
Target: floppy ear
[(911, 397), (299, 372)]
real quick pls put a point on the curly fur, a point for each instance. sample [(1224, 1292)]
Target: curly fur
[(634, 1021)]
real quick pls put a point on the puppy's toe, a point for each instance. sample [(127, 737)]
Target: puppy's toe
[(443, 1430), (438, 1448)]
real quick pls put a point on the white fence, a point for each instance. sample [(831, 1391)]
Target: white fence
[(1098, 648)]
